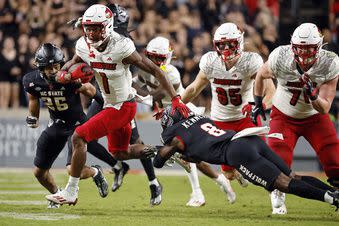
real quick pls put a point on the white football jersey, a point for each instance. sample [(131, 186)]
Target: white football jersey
[(232, 89), (289, 97), (115, 78), (173, 76)]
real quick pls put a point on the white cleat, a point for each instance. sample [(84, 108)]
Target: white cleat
[(67, 196), (281, 210), (278, 202), (227, 188), (52, 205), (241, 180), (197, 199)]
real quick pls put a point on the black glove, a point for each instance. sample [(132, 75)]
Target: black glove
[(308, 88), (259, 109), (32, 121)]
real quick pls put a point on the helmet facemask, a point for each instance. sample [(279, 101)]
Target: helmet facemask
[(227, 49), (228, 41), (306, 42), (159, 51), (97, 23)]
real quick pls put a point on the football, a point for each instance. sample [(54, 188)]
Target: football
[(81, 71)]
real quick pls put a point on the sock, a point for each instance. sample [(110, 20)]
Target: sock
[(155, 182), (317, 183), (222, 181), (193, 178), (305, 190), (96, 171), (118, 165), (100, 152), (329, 199), (73, 182), (148, 167)]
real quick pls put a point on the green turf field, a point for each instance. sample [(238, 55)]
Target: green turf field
[(130, 205)]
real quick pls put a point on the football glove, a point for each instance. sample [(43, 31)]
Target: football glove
[(308, 87), (259, 109), (178, 104), (32, 121)]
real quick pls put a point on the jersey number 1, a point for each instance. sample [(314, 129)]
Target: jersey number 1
[(105, 82)]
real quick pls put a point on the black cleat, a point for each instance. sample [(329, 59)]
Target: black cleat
[(101, 182), (335, 196), (119, 176), (156, 192)]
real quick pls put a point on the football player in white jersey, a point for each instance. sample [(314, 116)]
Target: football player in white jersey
[(231, 72), (307, 78), (160, 52), (110, 55)]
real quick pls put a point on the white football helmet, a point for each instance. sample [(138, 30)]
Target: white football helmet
[(159, 50), (228, 41), (99, 15), (306, 42)]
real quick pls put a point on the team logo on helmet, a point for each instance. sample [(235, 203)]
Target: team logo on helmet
[(108, 13)]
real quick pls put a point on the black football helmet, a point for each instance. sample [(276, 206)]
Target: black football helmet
[(46, 55), (121, 19), (168, 119)]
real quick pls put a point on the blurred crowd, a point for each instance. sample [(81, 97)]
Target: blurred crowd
[(189, 24)]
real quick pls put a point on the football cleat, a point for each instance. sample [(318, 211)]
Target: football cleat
[(335, 196), (52, 205), (280, 211), (100, 181), (197, 199), (119, 176), (67, 196), (156, 192), (241, 180), (278, 202)]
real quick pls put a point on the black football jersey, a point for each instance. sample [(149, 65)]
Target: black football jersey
[(62, 100), (202, 139)]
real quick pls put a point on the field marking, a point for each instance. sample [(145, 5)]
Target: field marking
[(25, 192), (40, 216), (21, 202), (15, 186)]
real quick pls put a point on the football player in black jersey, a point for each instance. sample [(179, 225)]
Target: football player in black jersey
[(198, 139), (66, 112)]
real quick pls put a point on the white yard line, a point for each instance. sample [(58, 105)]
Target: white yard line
[(40, 216), (21, 202), (23, 192)]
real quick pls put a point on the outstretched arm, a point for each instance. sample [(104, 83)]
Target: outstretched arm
[(193, 90), (147, 65), (166, 152)]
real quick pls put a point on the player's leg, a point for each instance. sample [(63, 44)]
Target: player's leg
[(284, 149), (109, 119), (95, 171), (197, 197), (48, 148), (154, 184), (322, 136), (219, 178), (264, 172)]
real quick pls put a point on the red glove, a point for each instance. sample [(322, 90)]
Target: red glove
[(178, 104), (247, 109), (83, 72)]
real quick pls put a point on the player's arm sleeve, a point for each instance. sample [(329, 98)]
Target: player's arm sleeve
[(127, 47), (29, 86), (204, 64), (256, 63), (333, 69), (273, 61)]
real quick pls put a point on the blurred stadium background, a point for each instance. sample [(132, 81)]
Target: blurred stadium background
[(189, 24)]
